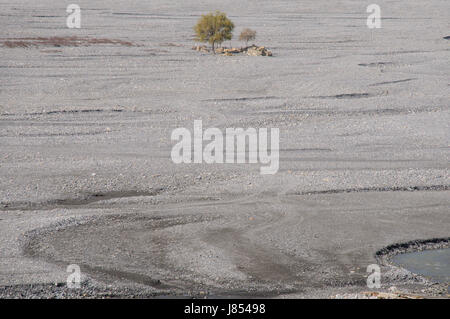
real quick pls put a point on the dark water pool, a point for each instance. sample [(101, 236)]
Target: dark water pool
[(434, 264)]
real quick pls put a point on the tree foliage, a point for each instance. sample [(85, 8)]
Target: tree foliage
[(214, 28), (247, 35)]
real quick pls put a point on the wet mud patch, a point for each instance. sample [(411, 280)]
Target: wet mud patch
[(125, 248), (91, 133), (69, 41), (378, 189), (344, 96), (312, 149), (65, 112), (376, 64), (243, 99), (148, 251), (79, 202), (393, 82), (257, 262), (77, 111), (90, 111), (109, 274), (294, 113)]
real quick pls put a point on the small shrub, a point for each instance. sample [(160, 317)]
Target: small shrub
[(247, 35), (214, 28)]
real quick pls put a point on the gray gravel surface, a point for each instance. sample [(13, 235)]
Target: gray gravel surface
[(86, 176)]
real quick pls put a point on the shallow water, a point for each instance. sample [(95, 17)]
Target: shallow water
[(434, 264)]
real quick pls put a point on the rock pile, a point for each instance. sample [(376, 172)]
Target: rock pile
[(253, 50), (258, 51)]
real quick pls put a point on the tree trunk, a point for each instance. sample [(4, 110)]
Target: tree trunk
[(213, 48)]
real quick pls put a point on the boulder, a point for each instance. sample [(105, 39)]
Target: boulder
[(253, 52)]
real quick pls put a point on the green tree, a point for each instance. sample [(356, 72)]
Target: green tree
[(214, 28), (247, 35)]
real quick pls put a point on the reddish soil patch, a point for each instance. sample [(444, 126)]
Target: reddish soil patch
[(170, 44), (60, 42)]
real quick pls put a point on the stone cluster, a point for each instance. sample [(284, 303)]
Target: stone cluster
[(252, 50)]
